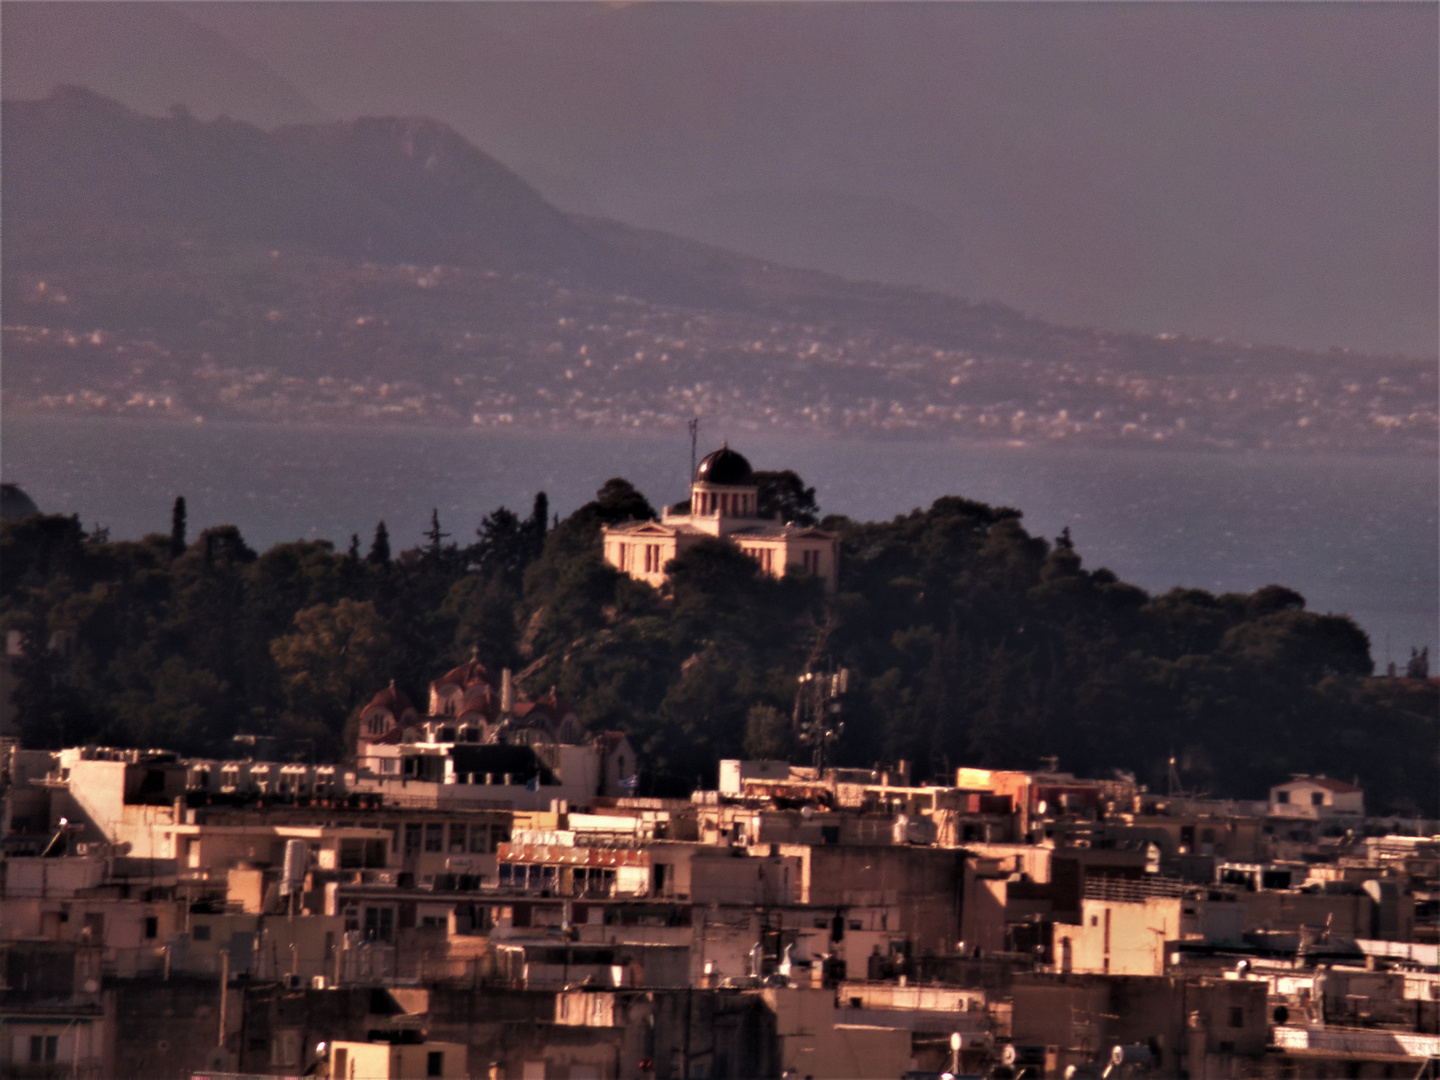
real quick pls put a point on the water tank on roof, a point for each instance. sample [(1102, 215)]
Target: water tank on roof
[(297, 862)]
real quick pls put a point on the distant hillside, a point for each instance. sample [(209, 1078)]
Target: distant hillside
[(384, 268), (150, 56)]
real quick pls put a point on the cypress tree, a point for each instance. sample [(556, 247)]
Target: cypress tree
[(177, 527), (380, 546)]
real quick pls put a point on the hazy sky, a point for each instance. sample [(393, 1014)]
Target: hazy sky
[(1258, 171)]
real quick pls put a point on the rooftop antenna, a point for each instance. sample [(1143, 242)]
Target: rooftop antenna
[(1174, 778)]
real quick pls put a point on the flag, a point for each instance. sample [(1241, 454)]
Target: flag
[(631, 782)]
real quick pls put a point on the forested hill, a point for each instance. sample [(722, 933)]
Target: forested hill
[(971, 642)]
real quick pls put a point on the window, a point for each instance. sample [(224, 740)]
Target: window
[(434, 836), (152, 927), (201, 932), (477, 840), (352, 854), (379, 924), (1317, 799), (340, 1064), (1237, 1016), (1282, 796), (412, 839), (435, 1063), (457, 837), (43, 1048), (285, 1049)]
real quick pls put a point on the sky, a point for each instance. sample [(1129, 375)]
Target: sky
[(1262, 172)]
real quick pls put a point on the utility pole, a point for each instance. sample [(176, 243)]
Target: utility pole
[(224, 993)]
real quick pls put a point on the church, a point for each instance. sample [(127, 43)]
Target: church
[(724, 502)]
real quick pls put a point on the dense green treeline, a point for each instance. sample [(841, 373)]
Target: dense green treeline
[(969, 640)]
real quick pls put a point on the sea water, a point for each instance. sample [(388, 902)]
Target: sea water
[(1355, 534)]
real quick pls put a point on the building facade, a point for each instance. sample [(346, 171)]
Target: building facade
[(724, 503)]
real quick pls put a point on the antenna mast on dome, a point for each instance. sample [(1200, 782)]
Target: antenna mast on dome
[(694, 426)]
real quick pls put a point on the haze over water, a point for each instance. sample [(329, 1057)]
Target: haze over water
[(1353, 534)]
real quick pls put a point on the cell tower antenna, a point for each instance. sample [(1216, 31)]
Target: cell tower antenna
[(694, 426)]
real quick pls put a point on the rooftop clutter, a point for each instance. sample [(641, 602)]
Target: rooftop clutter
[(479, 730), (845, 922)]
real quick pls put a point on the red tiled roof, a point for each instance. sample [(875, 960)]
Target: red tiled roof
[(1337, 786), (467, 675), (392, 698)]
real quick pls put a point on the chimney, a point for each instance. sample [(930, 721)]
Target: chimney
[(507, 693)]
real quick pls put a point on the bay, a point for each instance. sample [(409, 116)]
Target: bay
[(1352, 533)]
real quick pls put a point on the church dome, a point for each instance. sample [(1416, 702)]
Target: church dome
[(723, 466)]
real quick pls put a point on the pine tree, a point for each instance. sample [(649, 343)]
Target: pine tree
[(433, 534)]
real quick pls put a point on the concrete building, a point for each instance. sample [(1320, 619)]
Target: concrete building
[(1317, 797)]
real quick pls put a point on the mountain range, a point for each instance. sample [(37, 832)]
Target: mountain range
[(387, 269)]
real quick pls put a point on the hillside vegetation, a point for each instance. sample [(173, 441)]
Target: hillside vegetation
[(969, 641)]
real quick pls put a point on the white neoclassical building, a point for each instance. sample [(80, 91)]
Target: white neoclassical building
[(723, 503)]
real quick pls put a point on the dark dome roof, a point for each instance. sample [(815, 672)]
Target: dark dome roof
[(723, 466), (15, 504)]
